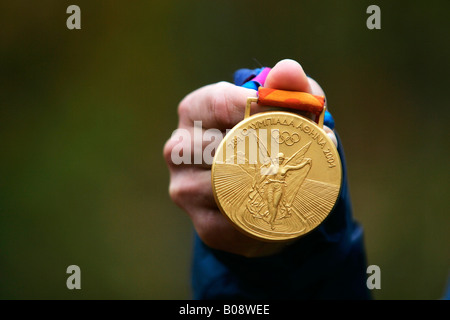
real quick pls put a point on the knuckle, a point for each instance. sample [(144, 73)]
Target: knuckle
[(178, 149), (179, 194), (175, 192), (183, 108), (167, 151), (183, 190)]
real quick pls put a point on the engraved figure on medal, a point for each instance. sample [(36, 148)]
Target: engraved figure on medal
[(268, 199)]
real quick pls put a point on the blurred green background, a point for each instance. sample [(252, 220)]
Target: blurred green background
[(84, 115)]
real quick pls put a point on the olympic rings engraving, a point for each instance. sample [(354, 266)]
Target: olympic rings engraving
[(285, 137)]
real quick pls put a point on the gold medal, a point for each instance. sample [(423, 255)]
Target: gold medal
[(277, 175)]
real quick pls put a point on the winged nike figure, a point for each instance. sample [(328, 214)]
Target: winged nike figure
[(275, 183)]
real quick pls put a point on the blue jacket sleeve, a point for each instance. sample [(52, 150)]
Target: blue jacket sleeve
[(327, 263)]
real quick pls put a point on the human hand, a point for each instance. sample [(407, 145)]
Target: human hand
[(221, 106)]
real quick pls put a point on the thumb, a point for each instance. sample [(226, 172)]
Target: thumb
[(288, 75)]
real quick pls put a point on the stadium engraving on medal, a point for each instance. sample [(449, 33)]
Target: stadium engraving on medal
[(276, 176)]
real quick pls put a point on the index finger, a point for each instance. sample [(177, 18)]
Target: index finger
[(219, 106)]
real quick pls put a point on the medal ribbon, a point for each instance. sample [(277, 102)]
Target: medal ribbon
[(255, 79), (291, 99)]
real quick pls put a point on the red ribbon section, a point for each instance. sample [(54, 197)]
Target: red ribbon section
[(291, 99)]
